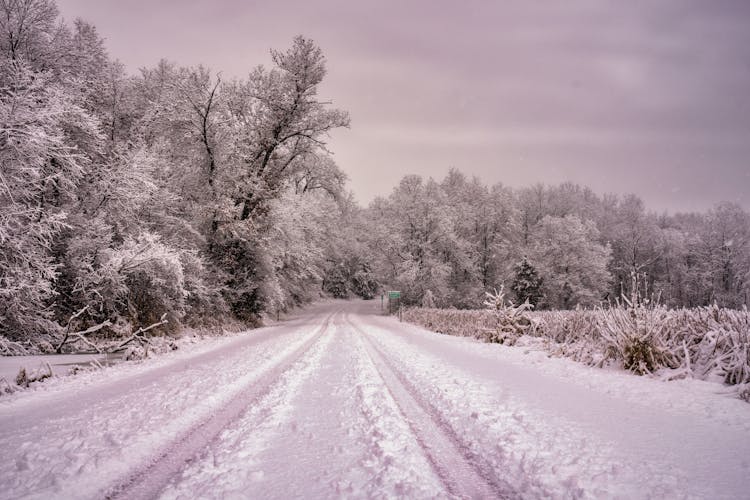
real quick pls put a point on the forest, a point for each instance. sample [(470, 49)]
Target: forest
[(179, 197)]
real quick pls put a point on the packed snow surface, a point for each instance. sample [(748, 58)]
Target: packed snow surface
[(342, 402)]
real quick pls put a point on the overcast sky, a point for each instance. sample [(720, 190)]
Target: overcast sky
[(651, 97)]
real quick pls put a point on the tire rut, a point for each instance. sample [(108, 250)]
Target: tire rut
[(149, 480), (463, 473)]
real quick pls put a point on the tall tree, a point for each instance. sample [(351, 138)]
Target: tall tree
[(571, 262), (415, 241)]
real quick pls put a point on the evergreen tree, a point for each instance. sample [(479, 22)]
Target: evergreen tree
[(527, 285)]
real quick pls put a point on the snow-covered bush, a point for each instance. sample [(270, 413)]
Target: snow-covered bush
[(574, 334), (715, 342), (24, 377), (511, 322), (138, 281), (10, 348), (639, 337)]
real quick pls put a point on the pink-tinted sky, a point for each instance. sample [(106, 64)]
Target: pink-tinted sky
[(651, 97)]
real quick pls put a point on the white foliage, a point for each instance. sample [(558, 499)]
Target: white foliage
[(511, 322), (572, 264), (295, 245), (143, 278), (41, 167)]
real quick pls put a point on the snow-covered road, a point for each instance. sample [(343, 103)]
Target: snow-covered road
[(342, 402)]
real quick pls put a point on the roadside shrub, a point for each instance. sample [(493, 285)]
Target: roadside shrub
[(704, 343), (511, 322), (148, 281), (639, 337)]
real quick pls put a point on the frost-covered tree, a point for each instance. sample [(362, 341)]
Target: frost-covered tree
[(725, 242), (428, 300), (634, 237), (349, 255), (532, 204), (336, 282), (414, 240), (279, 126), (298, 228), (570, 261), (572, 199), (363, 282), (275, 131), (29, 31), (485, 223), (227, 190), (41, 169), (680, 260)]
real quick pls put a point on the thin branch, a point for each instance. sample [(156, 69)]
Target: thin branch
[(138, 335)]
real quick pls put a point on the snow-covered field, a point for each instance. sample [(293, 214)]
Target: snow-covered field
[(342, 402)]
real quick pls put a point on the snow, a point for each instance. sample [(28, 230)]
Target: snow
[(61, 364), (343, 402), (331, 422), (559, 426)]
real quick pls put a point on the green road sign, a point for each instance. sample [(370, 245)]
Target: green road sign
[(394, 295)]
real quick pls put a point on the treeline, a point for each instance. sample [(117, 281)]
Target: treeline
[(445, 244), (127, 197)]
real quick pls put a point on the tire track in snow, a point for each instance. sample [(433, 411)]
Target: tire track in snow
[(463, 473), (149, 480), (232, 465), (333, 422), (36, 410), (60, 445)]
